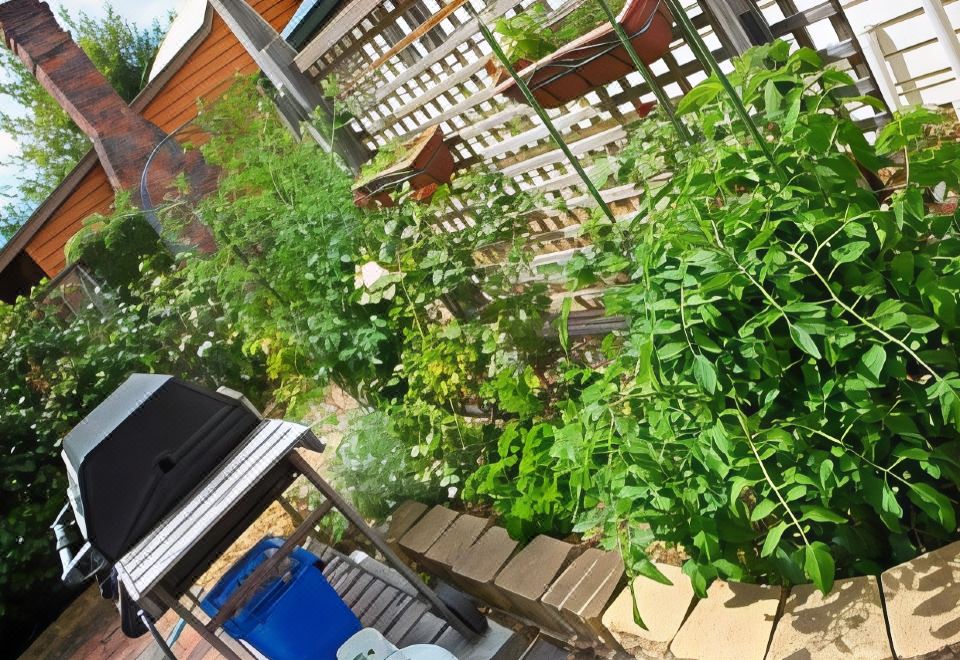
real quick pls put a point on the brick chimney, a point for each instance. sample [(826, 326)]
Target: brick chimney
[(123, 139)]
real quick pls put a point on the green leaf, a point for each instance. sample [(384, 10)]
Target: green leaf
[(563, 324), (705, 374), (739, 483), (700, 576), (850, 252), (882, 498), (818, 566), (637, 619), (921, 324), (804, 341), (762, 510), (826, 469), (821, 514), (915, 453), (874, 359), (934, 503), (772, 99), (648, 569), (704, 93), (773, 539)]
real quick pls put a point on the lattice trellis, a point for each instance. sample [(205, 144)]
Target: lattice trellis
[(439, 78)]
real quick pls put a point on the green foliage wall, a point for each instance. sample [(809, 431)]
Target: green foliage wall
[(118, 247), (783, 404)]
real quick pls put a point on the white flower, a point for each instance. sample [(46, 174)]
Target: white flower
[(204, 347), (452, 492), (369, 274)]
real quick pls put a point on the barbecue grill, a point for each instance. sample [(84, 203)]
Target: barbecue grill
[(132, 459), (163, 477)]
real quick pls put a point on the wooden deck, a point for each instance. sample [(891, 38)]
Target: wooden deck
[(384, 601)]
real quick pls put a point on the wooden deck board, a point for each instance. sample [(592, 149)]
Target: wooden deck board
[(405, 622)]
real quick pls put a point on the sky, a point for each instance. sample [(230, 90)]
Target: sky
[(141, 12)]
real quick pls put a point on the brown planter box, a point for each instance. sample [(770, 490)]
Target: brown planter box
[(427, 164), (593, 60)]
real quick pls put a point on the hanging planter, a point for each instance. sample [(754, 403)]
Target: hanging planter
[(425, 162), (592, 60)]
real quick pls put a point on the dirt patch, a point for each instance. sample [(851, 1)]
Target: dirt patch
[(667, 554)]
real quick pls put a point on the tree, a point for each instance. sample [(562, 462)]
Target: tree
[(50, 143)]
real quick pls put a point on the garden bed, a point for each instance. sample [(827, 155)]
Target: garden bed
[(423, 162), (591, 60)]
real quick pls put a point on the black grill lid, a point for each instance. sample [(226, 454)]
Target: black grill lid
[(143, 449)]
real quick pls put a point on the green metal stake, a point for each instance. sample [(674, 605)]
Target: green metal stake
[(704, 55), (647, 74), (528, 95)]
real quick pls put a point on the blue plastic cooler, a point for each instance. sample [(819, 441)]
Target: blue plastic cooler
[(296, 615)]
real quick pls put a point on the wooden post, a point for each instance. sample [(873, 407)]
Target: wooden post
[(250, 585), (292, 512), (860, 64), (727, 17), (275, 57), (393, 560)]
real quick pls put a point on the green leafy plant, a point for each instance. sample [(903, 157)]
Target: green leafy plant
[(783, 403), (585, 18), (117, 247), (376, 470), (530, 36), (290, 250), (527, 36), (390, 153)]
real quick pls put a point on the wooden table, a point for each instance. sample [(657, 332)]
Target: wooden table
[(163, 565)]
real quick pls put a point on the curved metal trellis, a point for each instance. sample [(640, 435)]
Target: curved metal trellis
[(146, 202)]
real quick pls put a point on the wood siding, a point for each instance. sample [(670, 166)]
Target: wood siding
[(93, 195), (206, 74)]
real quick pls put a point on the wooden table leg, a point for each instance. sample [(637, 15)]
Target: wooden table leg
[(246, 589), (292, 512), (395, 562), (191, 620)]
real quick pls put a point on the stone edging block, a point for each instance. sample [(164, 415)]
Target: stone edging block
[(923, 604), (847, 622), (528, 575), (478, 566), (401, 520), (734, 622), (451, 545), (581, 593), (662, 607), (426, 531)]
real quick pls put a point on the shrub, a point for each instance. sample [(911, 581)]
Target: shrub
[(783, 403), (117, 247), (375, 469)]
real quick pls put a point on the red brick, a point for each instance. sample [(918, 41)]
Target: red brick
[(123, 139)]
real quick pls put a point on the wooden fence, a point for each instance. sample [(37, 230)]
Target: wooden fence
[(406, 72), (908, 53)]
